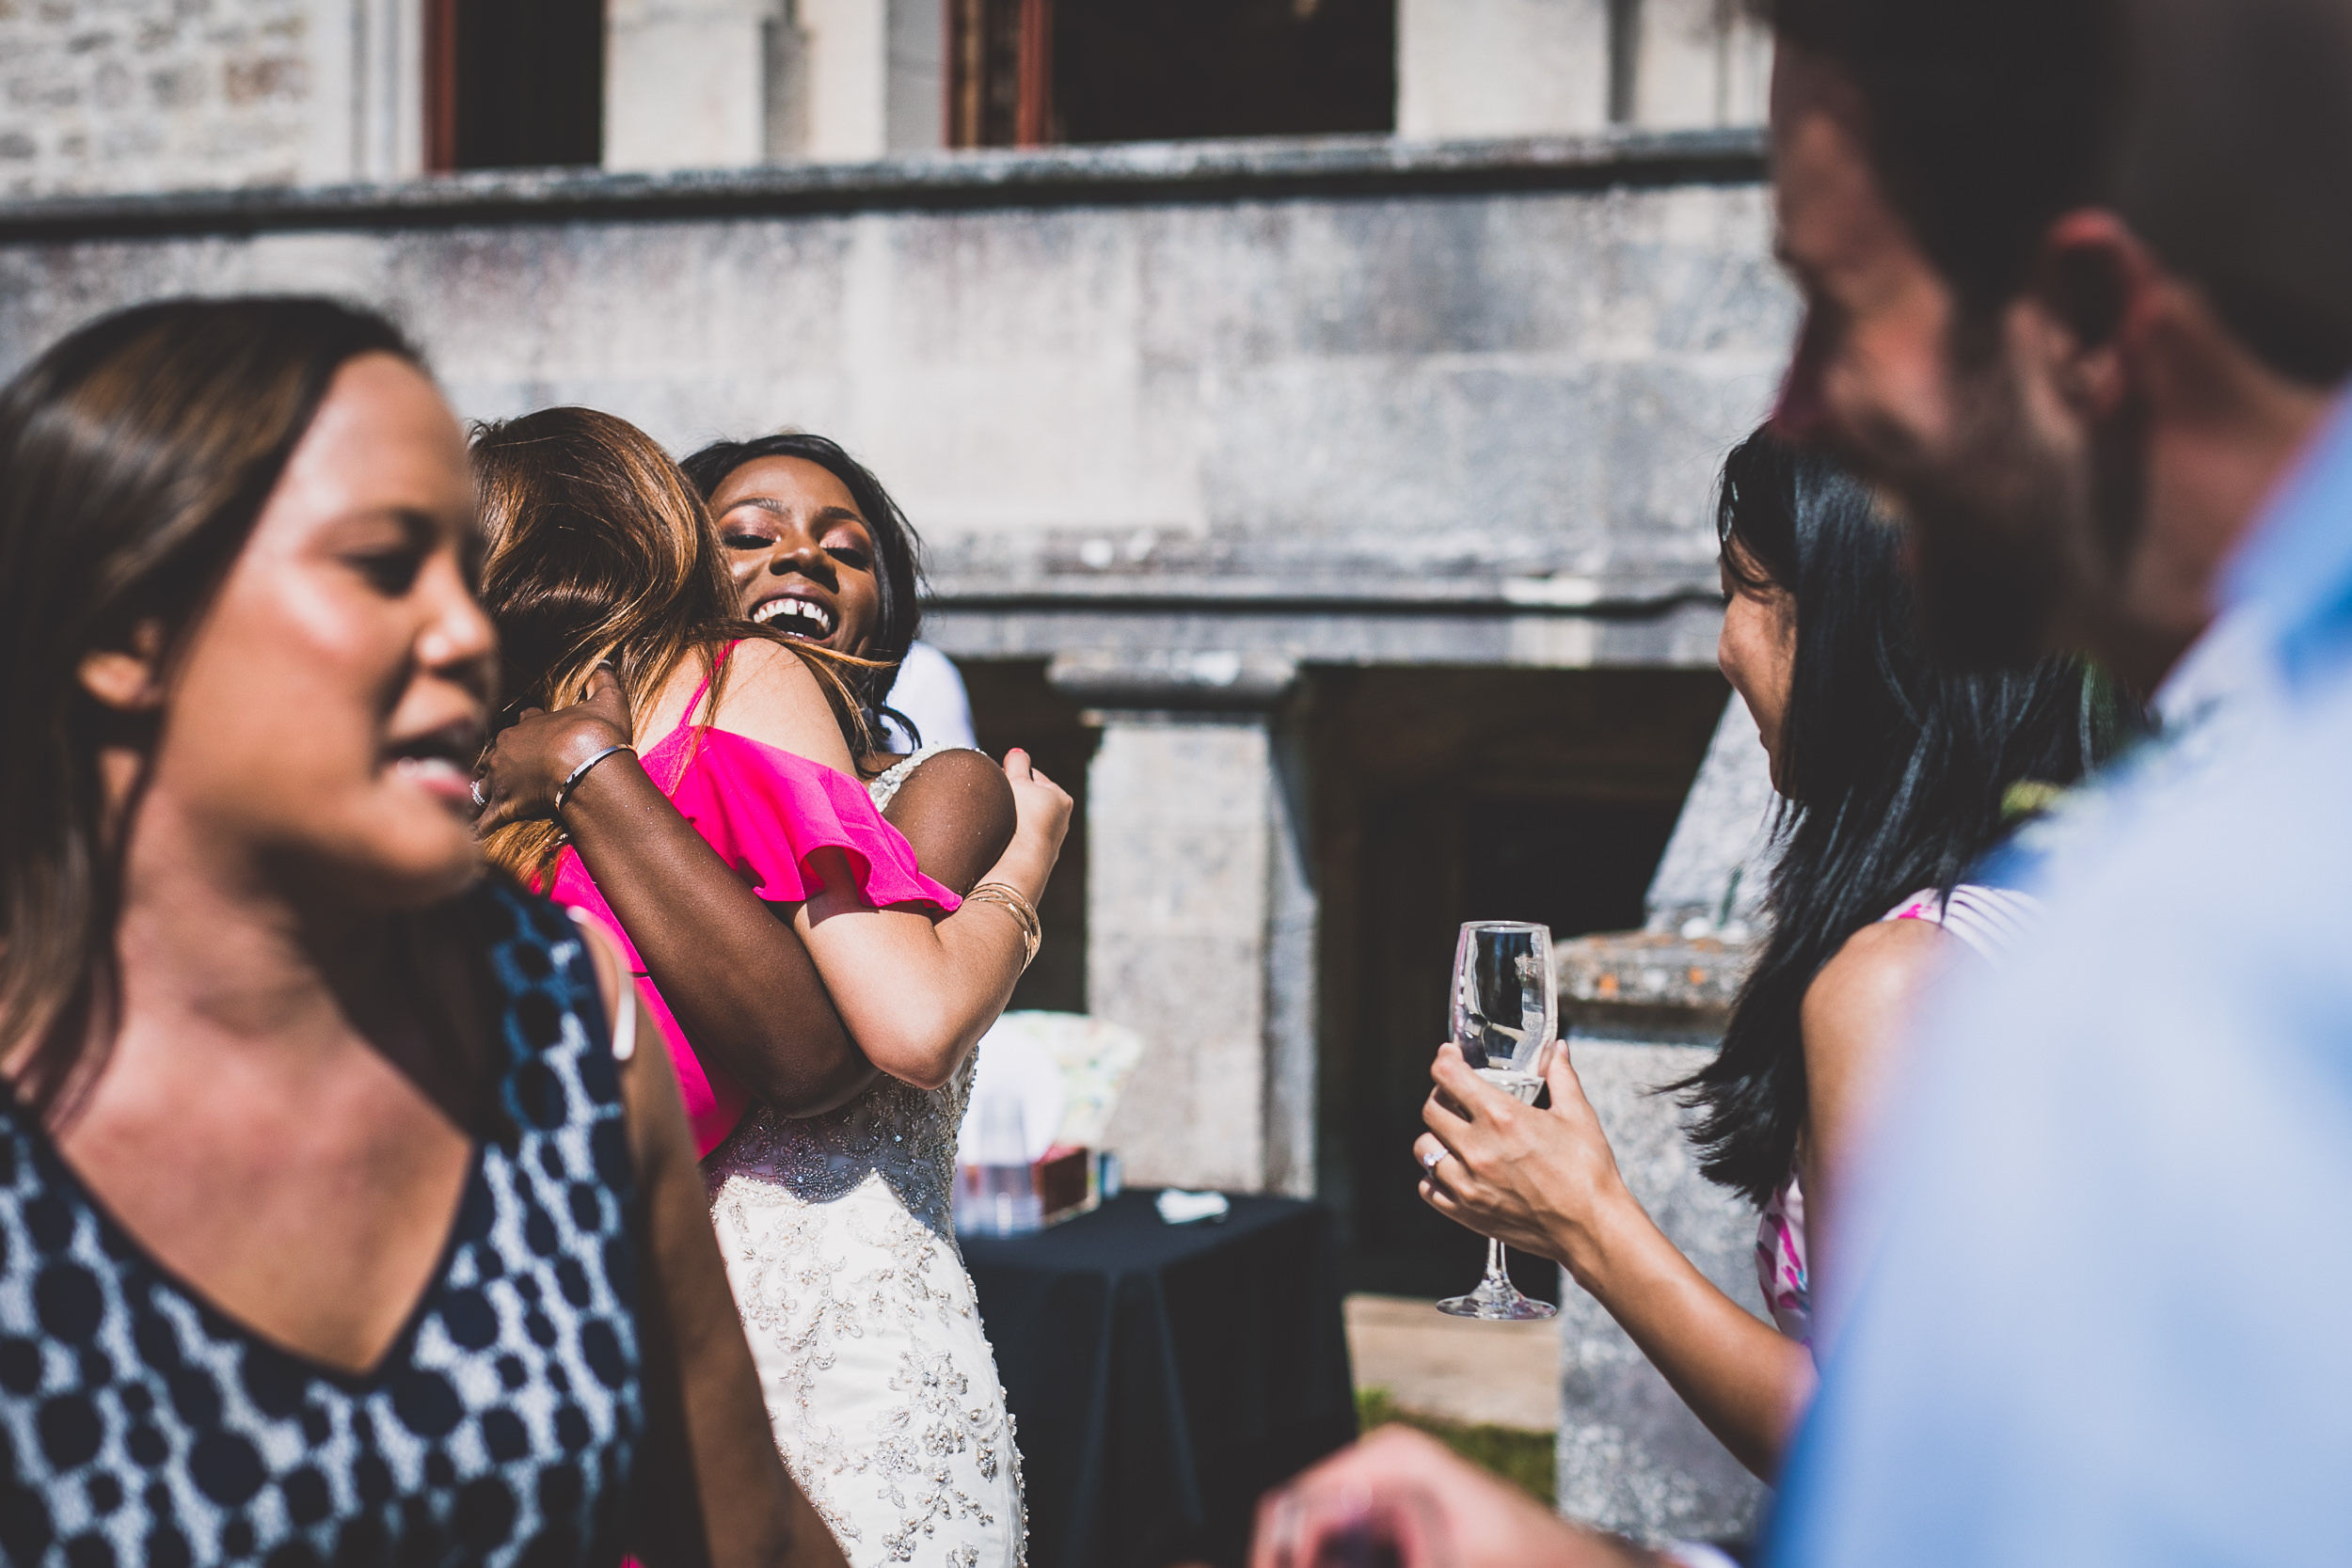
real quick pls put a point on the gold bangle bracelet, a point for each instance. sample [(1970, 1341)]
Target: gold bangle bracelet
[(1024, 914)]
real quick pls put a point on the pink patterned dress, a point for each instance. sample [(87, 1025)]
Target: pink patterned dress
[(1989, 920)]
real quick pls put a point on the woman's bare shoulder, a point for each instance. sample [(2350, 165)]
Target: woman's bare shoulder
[(1866, 993), (772, 696), (1883, 961)]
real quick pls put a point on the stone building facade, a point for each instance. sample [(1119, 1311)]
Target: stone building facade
[(1332, 512)]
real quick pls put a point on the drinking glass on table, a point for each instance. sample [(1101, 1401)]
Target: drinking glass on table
[(1505, 1018)]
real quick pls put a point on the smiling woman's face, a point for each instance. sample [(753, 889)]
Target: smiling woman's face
[(801, 551), (326, 713), (1757, 651)]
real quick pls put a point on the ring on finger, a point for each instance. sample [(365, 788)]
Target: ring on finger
[(479, 797), (1430, 1160)]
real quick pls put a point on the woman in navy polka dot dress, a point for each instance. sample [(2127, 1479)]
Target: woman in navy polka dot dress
[(338, 1225)]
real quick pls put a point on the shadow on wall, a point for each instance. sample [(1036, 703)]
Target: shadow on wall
[(1013, 706), (1450, 795)]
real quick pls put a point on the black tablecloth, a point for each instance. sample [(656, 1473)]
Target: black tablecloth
[(1163, 1376)]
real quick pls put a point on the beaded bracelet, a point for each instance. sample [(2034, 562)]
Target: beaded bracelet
[(1024, 914)]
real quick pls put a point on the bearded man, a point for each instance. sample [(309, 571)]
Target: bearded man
[(2078, 288)]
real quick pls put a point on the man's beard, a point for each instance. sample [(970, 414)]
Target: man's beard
[(1989, 522)]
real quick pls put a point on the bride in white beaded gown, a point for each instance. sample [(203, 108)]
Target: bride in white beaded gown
[(771, 909), (882, 1388)]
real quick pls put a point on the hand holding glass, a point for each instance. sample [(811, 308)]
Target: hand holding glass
[(1505, 1018)]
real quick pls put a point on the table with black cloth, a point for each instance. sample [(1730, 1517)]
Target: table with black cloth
[(1164, 1376)]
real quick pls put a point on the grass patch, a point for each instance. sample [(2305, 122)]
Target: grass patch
[(1525, 1459)]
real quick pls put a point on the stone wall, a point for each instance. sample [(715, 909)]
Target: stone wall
[(145, 95), (1167, 378), (1632, 1456)]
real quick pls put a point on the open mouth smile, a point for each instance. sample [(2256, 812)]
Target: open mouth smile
[(440, 762), (795, 616)]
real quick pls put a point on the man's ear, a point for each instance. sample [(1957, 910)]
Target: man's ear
[(2092, 284), (130, 679)]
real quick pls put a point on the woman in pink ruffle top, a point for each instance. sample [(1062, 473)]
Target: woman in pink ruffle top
[(821, 985)]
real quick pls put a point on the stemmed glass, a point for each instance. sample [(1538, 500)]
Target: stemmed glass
[(1506, 1019)]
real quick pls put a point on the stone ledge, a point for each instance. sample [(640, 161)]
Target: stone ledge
[(1652, 986), (1126, 173)]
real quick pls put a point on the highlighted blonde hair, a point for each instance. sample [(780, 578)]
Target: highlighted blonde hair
[(601, 553)]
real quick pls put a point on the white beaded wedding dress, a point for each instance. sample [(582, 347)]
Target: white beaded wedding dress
[(880, 1385)]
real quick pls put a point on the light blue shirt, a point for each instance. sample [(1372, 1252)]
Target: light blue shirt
[(2100, 1311)]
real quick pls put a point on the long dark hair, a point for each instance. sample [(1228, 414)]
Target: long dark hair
[(1893, 776), (135, 455), (601, 552), (897, 552)]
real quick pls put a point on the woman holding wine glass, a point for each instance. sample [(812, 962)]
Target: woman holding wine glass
[(1892, 776)]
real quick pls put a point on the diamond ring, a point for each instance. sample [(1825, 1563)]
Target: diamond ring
[(1429, 1161)]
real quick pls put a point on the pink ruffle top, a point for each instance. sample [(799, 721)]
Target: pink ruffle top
[(766, 810)]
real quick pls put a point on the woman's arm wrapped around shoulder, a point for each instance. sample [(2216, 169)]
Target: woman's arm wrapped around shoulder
[(802, 1014)]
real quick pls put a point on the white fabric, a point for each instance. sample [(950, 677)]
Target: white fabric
[(1020, 1070), (881, 1387), (930, 692), (884, 786)]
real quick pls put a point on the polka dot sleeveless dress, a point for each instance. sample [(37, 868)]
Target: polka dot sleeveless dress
[(140, 1426)]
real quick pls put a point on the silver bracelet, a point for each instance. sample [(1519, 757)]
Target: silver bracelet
[(571, 780)]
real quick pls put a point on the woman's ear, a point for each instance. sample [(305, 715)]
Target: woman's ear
[(129, 680)]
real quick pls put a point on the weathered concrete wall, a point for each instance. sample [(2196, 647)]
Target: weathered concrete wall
[(1483, 68), (1510, 399), (125, 95), (688, 82), (1632, 1456), (1716, 865), (1499, 68), (1696, 62)]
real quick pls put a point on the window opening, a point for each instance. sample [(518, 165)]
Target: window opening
[(1029, 71), (513, 84)]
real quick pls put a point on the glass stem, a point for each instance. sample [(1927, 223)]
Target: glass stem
[(1496, 1278)]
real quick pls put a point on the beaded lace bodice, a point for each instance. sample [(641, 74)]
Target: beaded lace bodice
[(895, 1132), (884, 786), (839, 1240)]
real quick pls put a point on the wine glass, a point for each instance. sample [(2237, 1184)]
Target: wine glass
[(1505, 1018)]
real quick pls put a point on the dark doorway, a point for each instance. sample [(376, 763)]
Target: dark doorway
[(1444, 796), (1029, 71), (1150, 70), (1013, 706), (513, 84)]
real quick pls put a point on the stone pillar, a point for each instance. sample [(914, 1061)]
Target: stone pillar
[(686, 82), (914, 96), (1697, 63), (1200, 920), (1500, 67)]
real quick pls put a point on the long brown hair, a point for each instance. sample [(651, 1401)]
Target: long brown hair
[(134, 457), (601, 552)]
